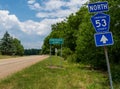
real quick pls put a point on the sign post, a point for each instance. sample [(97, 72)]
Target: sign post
[(56, 41), (50, 54), (101, 24), (108, 67), (56, 51), (61, 54)]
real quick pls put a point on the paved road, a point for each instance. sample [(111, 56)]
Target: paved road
[(12, 65)]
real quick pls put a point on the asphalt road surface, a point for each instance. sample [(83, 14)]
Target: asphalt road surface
[(12, 65)]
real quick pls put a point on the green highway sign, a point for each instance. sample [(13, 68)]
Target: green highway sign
[(56, 41)]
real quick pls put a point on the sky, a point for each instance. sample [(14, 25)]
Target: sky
[(30, 20)]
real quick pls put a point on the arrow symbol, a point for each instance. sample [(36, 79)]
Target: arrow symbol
[(103, 39)]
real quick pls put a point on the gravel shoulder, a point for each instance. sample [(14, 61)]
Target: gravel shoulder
[(12, 65)]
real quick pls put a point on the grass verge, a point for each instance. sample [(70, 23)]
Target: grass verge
[(6, 56), (49, 74)]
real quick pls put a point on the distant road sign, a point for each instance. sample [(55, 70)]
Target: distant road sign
[(101, 22), (103, 39), (98, 7), (56, 41)]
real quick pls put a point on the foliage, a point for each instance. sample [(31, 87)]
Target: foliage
[(10, 45), (115, 73), (66, 52), (46, 46), (73, 58), (78, 34), (18, 47), (6, 45), (32, 52)]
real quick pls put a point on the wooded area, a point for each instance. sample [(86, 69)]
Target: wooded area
[(78, 34), (11, 46)]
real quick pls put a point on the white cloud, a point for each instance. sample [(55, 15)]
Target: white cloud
[(30, 33), (40, 28), (32, 27), (34, 5), (57, 8), (74, 3), (56, 14), (31, 1), (8, 21), (54, 5)]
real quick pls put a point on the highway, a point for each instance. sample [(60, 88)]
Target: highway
[(12, 65)]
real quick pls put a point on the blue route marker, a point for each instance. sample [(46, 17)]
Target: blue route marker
[(101, 22), (103, 39)]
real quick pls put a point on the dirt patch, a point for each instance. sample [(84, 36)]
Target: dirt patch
[(55, 67)]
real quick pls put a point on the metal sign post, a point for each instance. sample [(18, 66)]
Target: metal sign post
[(56, 51), (108, 67), (61, 50), (101, 24), (50, 49), (56, 41), (50, 55), (61, 55)]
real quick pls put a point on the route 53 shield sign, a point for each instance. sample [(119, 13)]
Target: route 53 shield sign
[(101, 22)]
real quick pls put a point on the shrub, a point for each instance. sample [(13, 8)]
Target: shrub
[(72, 58), (66, 52), (115, 69)]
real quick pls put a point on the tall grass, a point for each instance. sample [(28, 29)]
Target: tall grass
[(6, 56), (55, 73)]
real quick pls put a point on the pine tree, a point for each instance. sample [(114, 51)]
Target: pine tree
[(6, 44), (10, 45)]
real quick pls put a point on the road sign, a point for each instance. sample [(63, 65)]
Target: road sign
[(101, 22), (56, 41), (98, 7), (103, 39)]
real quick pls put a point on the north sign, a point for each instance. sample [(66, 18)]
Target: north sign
[(101, 22), (56, 41), (103, 39), (98, 7)]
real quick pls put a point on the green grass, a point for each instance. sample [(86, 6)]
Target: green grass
[(69, 76), (6, 56)]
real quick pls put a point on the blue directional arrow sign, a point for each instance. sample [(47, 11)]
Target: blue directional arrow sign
[(98, 7), (101, 22), (103, 39)]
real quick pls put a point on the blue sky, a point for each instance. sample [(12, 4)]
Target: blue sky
[(30, 20)]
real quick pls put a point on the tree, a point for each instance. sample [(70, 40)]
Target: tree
[(10, 45), (78, 34), (19, 49), (6, 45), (32, 51)]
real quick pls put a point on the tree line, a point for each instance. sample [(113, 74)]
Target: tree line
[(32, 51), (78, 34), (12, 46)]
